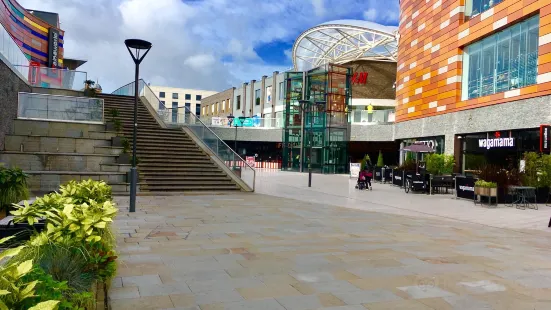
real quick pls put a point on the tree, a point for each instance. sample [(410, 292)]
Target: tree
[(380, 162), (365, 161)]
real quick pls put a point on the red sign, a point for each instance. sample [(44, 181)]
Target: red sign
[(251, 160), (359, 78)]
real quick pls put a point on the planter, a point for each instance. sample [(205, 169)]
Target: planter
[(110, 126), (116, 141), (21, 231), (124, 159), (485, 195), (542, 194)]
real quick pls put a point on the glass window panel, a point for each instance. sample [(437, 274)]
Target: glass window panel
[(503, 61), (506, 60), (488, 67)]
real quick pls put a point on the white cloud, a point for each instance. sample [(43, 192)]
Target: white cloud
[(191, 39), (319, 7), (370, 14)]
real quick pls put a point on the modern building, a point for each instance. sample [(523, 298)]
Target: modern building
[(177, 100), (474, 78), (346, 66)]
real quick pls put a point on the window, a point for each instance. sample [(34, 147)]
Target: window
[(175, 112), (161, 94), (212, 108), (280, 91), (161, 105), (197, 110), (188, 107), (188, 97), (197, 97), (223, 105), (257, 97), (238, 103), (174, 95), (475, 7), (268, 99), (504, 61)]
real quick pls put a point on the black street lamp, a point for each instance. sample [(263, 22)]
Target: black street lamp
[(232, 120), (306, 105), (135, 46)]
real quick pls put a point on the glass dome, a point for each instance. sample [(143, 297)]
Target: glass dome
[(342, 41)]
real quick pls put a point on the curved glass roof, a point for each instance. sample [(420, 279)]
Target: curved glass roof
[(342, 41)]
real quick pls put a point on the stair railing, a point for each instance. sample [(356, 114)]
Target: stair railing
[(187, 118)]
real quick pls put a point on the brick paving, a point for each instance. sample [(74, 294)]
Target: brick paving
[(251, 251)]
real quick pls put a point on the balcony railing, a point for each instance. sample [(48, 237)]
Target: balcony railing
[(54, 78), (373, 118), (249, 122), (60, 108), (185, 117)]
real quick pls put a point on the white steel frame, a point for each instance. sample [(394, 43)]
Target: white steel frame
[(339, 43)]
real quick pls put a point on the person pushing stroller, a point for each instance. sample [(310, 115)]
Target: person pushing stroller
[(364, 179)]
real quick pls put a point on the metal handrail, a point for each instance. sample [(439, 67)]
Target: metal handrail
[(141, 81)]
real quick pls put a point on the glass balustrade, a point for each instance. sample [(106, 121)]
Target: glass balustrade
[(60, 108), (375, 117)]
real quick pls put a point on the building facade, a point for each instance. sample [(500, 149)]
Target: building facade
[(40, 41), (217, 105), (176, 100), (472, 71)]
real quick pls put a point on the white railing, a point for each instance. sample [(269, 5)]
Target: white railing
[(60, 108)]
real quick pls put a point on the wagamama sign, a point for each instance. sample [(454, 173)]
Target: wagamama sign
[(496, 142)]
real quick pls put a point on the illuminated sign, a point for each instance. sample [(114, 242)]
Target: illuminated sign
[(53, 48), (496, 142), (545, 141), (359, 78)]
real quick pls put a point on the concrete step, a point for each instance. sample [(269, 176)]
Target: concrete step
[(21, 127), (179, 169), (106, 135), (158, 183), (108, 150), (51, 180), (188, 188), (47, 161), (115, 168), (52, 144), (193, 178)]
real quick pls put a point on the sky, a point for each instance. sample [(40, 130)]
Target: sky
[(198, 44)]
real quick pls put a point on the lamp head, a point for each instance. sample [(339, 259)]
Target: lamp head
[(137, 44)]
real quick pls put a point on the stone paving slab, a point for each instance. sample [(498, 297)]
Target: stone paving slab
[(251, 251)]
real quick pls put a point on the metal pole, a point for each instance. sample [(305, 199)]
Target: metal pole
[(301, 165), (235, 148), (133, 170), (310, 150)]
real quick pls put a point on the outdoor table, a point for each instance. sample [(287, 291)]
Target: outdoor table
[(523, 194)]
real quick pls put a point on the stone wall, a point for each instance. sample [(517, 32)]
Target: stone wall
[(10, 85)]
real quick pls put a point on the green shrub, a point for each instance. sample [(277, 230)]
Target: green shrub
[(13, 186), (440, 164), (84, 191), (380, 162), (365, 161), (47, 289), (484, 184)]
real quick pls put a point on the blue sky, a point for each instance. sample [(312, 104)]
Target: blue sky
[(205, 44)]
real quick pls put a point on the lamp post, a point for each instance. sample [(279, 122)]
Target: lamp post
[(232, 120), (135, 46), (306, 105)]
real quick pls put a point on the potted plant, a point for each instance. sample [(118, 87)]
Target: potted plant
[(89, 90), (13, 188), (486, 189), (110, 124)]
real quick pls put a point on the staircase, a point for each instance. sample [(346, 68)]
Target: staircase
[(168, 159)]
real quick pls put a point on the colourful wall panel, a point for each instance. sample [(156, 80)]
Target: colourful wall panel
[(433, 34), (28, 31)]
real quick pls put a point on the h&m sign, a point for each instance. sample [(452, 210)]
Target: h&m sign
[(359, 78), (53, 48)]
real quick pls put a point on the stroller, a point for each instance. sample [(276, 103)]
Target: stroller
[(364, 180)]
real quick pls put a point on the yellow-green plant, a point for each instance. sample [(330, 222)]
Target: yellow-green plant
[(84, 191), (78, 222), (12, 290)]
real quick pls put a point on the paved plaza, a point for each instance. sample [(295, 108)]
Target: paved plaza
[(254, 251)]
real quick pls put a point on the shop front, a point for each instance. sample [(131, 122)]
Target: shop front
[(437, 143), (504, 148)]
